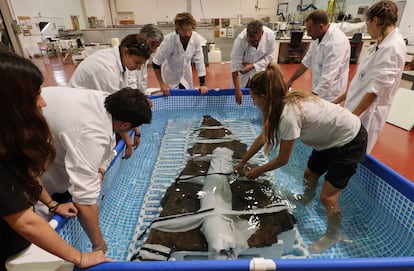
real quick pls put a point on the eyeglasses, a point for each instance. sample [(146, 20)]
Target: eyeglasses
[(143, 47)]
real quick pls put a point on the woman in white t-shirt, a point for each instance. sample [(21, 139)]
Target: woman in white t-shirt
[(336, 135)]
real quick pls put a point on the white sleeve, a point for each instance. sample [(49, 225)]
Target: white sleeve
[(387, 71), (307, 59), (142, 76), (290, 124), (133, 79), (237, 53), (333, 57), (198, 58), (97, 74), (143, 85), (84, 154)]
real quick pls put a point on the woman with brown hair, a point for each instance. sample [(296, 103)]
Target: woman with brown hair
[(25, 152), (336, 135)]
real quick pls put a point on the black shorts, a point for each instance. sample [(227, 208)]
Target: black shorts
[(340, 163)]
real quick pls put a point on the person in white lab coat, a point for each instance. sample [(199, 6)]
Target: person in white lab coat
[(154, 37), (328, 57), (252, 51), (172, 60), (378, 77), (83, 123), (111, 69), (108, 69)]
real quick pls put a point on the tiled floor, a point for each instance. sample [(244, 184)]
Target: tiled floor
[(395, 146)]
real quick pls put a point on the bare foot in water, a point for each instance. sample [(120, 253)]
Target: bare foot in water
[(325, 242)]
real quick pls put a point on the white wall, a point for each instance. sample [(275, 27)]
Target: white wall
[(99, 9), (407, 22), (151, 11), (50, 8), (146, 11), (57, 11), (232, 8)]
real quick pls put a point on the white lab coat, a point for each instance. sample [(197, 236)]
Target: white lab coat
[(329, 60), (103, 70), (138, 79), (261, 56), (380, 73), (83, 137), (176, 63), (142, 77)]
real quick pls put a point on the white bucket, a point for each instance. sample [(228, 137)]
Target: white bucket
[(115, 42), (214, 56)]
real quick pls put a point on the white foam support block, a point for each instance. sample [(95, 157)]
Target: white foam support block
[(402, 109), (34, 259)]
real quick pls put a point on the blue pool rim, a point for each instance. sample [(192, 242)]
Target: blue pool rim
[(400, 183), (381, 264)]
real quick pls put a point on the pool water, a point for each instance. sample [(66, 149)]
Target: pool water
[(372, 225)]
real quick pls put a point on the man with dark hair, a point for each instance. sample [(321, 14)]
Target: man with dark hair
[(83, 123), (252, 51), (172, 61), (328, 56)]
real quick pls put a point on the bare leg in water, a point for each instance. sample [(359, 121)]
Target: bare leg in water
[(329, 199), (310, 182)]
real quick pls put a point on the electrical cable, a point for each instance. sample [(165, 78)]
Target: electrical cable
[(202, 9)]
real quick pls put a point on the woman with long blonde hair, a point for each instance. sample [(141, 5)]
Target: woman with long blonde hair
[(336, 135)]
